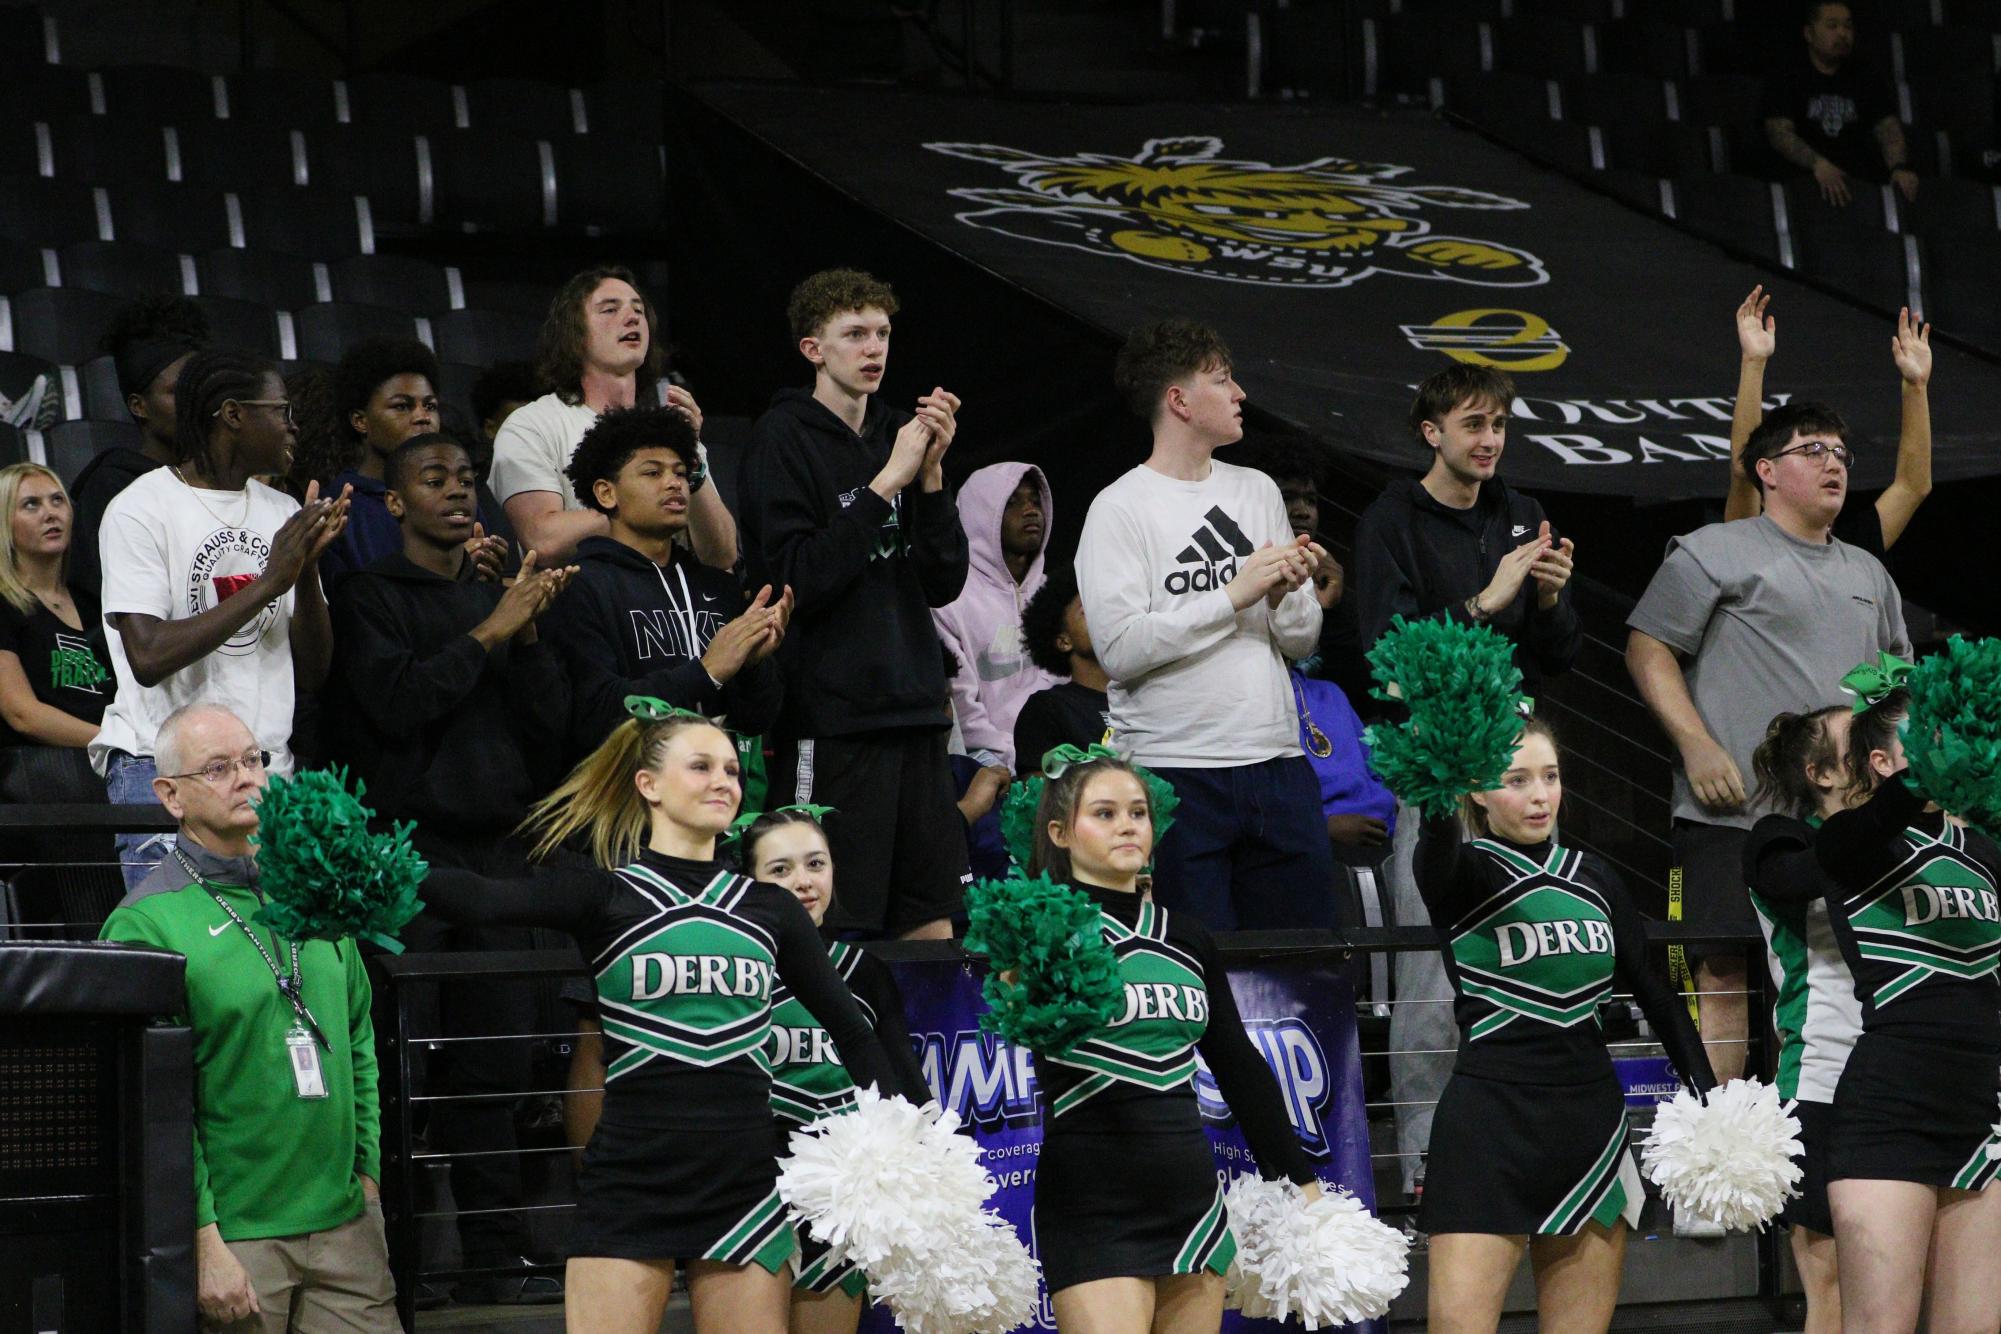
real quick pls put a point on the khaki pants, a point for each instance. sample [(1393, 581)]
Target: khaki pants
[(335, 1280)]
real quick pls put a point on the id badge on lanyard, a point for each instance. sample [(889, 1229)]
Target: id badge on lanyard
[(305, 1055)]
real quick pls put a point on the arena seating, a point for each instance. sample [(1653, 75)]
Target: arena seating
[(278, 200)]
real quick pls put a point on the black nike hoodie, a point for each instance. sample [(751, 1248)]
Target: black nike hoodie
[(443, 731), (626, 626), (865, 573), (1417, 557)]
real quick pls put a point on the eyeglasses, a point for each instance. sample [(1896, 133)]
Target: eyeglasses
[(217, 772), (291, 418), (1816, 450)]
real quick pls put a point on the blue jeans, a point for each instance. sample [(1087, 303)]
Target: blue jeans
[(1248, 848), (128, 780)]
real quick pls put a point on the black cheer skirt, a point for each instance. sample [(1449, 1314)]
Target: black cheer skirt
[(1529, 1159), (1809, 1209), (1128, 1206), (651, 1194), (1907, 1109)]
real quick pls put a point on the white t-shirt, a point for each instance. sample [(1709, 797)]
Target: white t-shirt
[(534, 446), (1195, 684), (173, 552)]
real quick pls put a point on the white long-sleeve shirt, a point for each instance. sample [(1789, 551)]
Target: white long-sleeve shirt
[(1196, 684)]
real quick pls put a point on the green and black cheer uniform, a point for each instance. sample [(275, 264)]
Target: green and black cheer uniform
[(1915, 908), (1815, 1011), (687, 957), (1127, 1184), (1530, 1137), (809, 1082)]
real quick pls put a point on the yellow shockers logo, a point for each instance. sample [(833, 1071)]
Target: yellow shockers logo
[(1178, 205), (1513, 340)]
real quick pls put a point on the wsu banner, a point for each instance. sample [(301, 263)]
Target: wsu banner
[(1299, 1015)]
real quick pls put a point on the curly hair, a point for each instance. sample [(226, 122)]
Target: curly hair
[(210, 379), (616, 436), (326, 448), (1042, 621), (503, 382), (559, 351), (369, 364), (832, 292), (1155, 355)]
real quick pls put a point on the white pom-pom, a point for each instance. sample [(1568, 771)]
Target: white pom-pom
[(1328, 1262), (893, 1188), (1729, 1160)]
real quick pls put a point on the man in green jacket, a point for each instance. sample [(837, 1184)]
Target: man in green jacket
[(286, 1153)]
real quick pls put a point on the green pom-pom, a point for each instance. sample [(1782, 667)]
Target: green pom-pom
[(327, 875), (1465, 697), (1953, 735), (1065, 982)]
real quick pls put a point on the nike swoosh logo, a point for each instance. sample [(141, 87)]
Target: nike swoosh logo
[(218, 930), (707, 598)]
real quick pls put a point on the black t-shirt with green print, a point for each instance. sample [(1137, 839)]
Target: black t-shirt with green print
[(67, 668), (1536, 937)]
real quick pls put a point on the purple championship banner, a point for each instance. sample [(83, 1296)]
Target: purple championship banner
[(1300, 1016)]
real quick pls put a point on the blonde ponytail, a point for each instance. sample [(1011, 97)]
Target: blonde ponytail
[(599, 797)]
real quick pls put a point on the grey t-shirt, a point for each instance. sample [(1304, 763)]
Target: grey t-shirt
[(1765, 624)]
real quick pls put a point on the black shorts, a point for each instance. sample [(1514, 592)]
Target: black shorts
[(1810, 1210), (899, 842), (1515, 1160), (1907, 1109), (1128, 1205), (1710, 860)]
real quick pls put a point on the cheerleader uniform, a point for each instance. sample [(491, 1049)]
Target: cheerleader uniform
[(1127, 1185), (808, 1081), (1916, 912), (1815, 1010), (1530, 1137), (686, 956)]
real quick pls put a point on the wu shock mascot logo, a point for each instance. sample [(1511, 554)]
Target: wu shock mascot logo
[(1179, 205)]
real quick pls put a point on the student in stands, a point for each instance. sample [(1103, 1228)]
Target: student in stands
[(1874, 528), (211, 578), (385, 392), (1457, 543), (845, 503), (54, 683), (1744, 621), (1301, 476), (287, 1214), (1196, 592), (1076, 711), (646, 618), (1828, 114), (454, 712), (149, 341), (599, 350), (499, 390), (1004, 509)]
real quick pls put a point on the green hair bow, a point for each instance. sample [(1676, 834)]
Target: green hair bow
[(1025, 798), (735, 833), (1872, 682), (648, 709)]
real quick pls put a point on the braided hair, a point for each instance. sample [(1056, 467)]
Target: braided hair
[(211, 378)]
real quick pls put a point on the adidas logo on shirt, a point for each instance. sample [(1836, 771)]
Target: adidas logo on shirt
[(1209, 561)]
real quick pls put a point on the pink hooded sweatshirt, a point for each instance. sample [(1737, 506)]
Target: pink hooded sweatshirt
[(982, 627)]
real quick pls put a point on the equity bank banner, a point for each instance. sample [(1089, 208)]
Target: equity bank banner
[(1347, 253), (1301, 1017)]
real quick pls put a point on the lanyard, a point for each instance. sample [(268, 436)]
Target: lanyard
[(290, 987)]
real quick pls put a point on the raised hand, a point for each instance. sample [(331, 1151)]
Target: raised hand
[(1259, 573), (1552, 569), (736, 645), (1757, 332), (939, 410), (1514, 570), (684, 403), (907, 457), (1911, 349), (487, 554)]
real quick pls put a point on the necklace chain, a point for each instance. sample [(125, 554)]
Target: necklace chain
[(195, 491)]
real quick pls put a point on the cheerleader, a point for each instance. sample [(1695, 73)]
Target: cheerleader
[(1801, 768), (686, 957), (786, 847), (1130, 1223), (1529, 1148), (1915, 910)]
